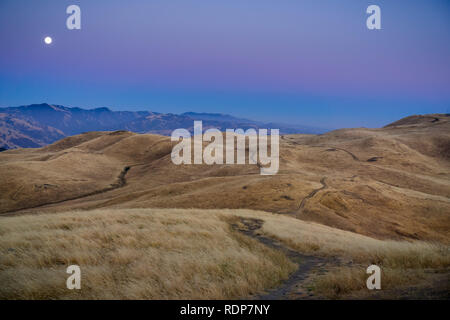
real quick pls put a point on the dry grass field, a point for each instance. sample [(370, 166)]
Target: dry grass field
[(360, 196), (190, 254), (134, 254)]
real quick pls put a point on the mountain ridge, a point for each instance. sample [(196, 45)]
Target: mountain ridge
[(38, 125)]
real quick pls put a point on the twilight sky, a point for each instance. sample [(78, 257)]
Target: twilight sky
[(296, 61)]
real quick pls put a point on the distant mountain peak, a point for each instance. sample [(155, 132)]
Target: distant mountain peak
[(191, 113), (38, 106), (213, 116), (102, 109)]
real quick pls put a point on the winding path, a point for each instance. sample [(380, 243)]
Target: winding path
[(331, 148), (344, 150), (121, 182), (292, 288), (312, 194)]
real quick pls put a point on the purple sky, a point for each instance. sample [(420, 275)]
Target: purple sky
[(298, 61)]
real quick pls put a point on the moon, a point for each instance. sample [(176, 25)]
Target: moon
[(48, 40)]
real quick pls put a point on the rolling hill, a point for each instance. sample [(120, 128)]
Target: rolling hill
[(388, 183)]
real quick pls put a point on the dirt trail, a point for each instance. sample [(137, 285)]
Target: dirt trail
[(121, 182), (294, 287), (341, 149), (329, 148), (312, 194)]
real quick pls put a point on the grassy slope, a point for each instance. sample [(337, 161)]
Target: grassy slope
[(134, 254), (182, 253)]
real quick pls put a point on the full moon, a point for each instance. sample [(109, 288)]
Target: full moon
[(48, 40)]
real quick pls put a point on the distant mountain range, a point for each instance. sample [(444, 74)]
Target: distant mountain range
[(37, 125)]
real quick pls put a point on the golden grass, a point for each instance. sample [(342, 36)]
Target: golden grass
[(134, 254), (351, 281), (189, 254)]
